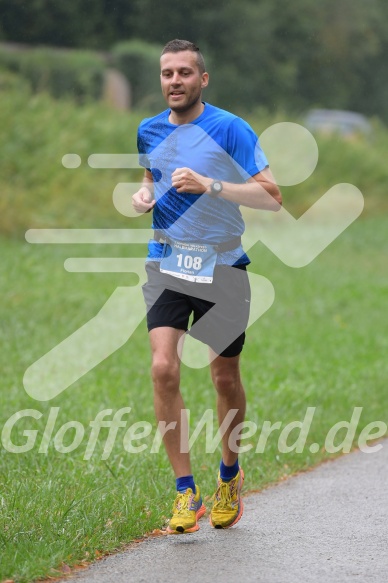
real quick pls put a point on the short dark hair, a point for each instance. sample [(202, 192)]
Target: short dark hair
[(177, 45)]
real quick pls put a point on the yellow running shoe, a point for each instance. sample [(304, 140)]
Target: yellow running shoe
[(228, 505), (186, 511)]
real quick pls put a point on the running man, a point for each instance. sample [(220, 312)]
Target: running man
[(201, 163)]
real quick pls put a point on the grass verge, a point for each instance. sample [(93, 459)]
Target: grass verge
[(322, 344)]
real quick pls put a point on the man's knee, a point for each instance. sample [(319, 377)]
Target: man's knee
[(165, 372), (226, 382)]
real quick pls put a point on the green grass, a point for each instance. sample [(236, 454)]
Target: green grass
[(36, 190), (322, 344)]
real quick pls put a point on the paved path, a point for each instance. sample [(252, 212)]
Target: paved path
[(329, 525)]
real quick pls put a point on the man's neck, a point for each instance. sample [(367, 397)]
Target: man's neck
[(180, 118)]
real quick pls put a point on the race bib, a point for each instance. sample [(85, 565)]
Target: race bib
[(191, 261)]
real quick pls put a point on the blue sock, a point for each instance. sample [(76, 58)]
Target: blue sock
[(227, 473), (185, 482)]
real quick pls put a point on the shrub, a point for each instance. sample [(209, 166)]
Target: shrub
[(78, 74), (139, 62)]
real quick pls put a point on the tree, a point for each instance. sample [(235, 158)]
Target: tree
[(275, 53), (346, 39), (79, 23)]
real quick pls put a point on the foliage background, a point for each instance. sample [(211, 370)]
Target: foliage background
[(292, 55)]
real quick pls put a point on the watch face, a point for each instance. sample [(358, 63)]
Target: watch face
[(215, 188)]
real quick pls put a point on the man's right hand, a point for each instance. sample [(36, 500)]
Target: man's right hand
[(142, 200)]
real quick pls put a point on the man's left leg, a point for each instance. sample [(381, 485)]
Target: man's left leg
[(228, 506)]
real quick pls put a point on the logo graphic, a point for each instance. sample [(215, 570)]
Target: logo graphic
[(293, 155)]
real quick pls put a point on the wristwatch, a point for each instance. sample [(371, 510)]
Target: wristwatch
[(215, 188)]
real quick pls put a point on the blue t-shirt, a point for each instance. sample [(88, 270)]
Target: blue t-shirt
[(217, 144)]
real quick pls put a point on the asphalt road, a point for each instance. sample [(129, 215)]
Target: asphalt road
[(328, 525)]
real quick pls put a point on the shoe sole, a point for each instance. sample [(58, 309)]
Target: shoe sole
[(240, 512), (182, 530)]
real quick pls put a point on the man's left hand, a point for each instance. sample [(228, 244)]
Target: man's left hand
[(186, 180)]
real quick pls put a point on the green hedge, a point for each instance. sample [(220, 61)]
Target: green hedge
[(77, 74), (139, 62)]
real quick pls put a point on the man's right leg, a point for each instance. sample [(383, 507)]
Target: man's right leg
[(169, 410), (168, 400)]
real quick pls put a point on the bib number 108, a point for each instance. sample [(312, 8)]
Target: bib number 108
[(189, 262)]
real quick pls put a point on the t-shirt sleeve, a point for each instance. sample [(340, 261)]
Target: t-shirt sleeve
[(243, 146), (142, 149)]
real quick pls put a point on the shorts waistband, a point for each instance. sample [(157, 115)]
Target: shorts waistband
[(160, 237)]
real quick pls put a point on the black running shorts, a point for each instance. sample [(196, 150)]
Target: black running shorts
[(220, 310)]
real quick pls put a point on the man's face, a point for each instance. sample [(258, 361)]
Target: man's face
[(181, 80)]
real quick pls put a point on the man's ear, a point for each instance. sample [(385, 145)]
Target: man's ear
[(205, 80)]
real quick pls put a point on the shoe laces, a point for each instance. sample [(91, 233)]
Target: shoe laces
[(223, 496), (182, 502)]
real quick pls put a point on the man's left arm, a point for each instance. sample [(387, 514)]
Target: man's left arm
[(259, 192)]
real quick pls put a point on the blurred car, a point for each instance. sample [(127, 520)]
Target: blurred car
[(347, 124)]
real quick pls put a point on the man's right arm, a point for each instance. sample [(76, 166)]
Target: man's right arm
[(143, 200)]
